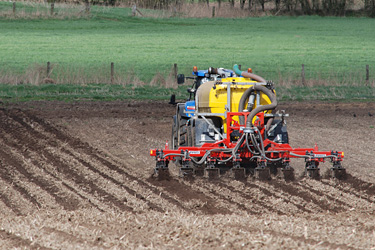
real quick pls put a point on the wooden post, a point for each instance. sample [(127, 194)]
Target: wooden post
[(52, 8), (208, 3), (87, 7), (367, 73), (239, 66), (14, 8), (112, 72), (303, 74), (213, 11), (175, 71), (48, 69), (219, 3)]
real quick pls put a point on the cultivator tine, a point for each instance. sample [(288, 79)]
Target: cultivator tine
[(211, 172), (262, 172), (237, 172), (287, 172), (161, 171), (162, 174), (312, 170), (186, 173), (337, 171), (198, 171)]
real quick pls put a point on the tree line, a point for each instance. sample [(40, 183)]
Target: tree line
[(281, 7)]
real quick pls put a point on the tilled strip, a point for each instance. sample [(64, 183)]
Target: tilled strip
[(276, 194), (53, 143), (250, 199), (356, 187), (62, 168), (303, 194), (18, 241), (84, 147), (339, 205), (9, 203)]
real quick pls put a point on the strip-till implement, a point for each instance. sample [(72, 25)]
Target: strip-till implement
[(230, 124)]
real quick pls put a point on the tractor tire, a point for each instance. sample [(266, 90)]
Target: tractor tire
[(174, 139), (182, 132), (191, 136)]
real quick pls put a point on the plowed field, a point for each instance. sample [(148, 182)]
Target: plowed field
[(78, 176)]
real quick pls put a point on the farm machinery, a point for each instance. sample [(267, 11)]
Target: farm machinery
[(230, 125)]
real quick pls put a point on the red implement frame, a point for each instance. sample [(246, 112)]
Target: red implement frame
[(274, 150)]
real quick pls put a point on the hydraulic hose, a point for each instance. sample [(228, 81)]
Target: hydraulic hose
[(258, 109), (247, 74)]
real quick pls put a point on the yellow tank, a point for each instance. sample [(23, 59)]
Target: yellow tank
[(212, 98)]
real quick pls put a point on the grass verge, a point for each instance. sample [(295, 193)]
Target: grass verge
[(106, 92)]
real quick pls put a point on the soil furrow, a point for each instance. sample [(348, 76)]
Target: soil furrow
[(251, 199), (8, 201), (261, 188), (186, 193), (34, 158), (17, 241), (85, 148), (354, 192), (86, 164), (67, 171), (104, 175), (340, 205), (96, 154), (305, 195), (11, 164), (312, 242), (72, 240)]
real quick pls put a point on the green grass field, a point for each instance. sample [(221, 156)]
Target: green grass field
[(270, 45), (81, 48), (107, 92)]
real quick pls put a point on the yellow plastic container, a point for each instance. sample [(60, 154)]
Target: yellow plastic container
[(212, 98)]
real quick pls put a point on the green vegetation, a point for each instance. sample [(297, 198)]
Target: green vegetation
[(272, 46), (81, 47), (70, 92), (107, 92)]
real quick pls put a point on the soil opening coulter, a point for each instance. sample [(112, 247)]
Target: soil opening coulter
[(229, 126)]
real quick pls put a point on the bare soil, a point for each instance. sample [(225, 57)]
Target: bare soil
[(77, 176)]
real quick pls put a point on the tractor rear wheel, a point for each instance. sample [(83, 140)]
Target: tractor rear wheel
[(182, 131), (191, 136)]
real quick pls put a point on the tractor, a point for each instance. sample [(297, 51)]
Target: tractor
[(229, 125)]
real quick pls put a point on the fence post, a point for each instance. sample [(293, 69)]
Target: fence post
[(87, 7), (213, 11), (52, 8), (48, 69), (367, 73), (112, 72), (14, 7), (303, 74), (239, 66), (175, 71)]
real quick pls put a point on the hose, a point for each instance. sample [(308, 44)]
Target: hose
[(258, 109), (247, 74), (233, 151)]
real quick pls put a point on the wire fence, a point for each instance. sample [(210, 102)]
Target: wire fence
[(117, 73)]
